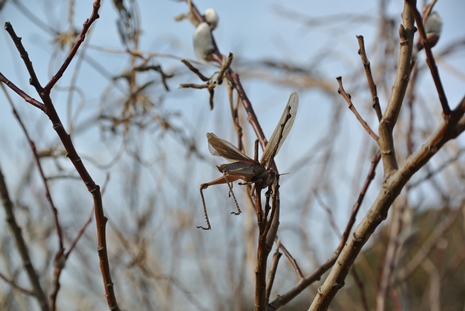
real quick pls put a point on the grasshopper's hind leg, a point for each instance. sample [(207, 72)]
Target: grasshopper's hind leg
[(231, 192), (204, 186)]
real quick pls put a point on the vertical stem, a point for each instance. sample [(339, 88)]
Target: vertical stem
[(21, 244)]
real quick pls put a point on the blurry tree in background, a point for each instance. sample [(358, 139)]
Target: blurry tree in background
[(141, 137)]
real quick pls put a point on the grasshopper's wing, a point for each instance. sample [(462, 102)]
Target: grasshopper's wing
[(225, 149), (281, 131)]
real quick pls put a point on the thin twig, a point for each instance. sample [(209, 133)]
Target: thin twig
[(195, 70), (352, 108), (392, 250), (304, 283), (328, 211), (13, 283), (34, 81), (438, 169), (427, 246), (224, 67), (291, 259), (48, 195), (361, 289), (80, 39), (410, 106), (21, 245), (369, 75), (21, 93), (273, 268)]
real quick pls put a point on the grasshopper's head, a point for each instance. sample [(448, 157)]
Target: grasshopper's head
[(265, 179)]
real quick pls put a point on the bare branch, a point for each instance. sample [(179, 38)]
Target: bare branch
[(72, 154), (85, 27), (352, 108), (371, 82), (21, 245), (430, 59), (391, 188)]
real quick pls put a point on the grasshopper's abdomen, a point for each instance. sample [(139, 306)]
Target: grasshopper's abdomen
[(246, 171), (223, 168)]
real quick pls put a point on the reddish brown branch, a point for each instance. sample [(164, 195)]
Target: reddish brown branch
[(34, 81), (72, 154), (85, 27), (21, 93), (430, 58)]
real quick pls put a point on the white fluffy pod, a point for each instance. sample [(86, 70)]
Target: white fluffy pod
[(211, 18), (203, 42), (433, 28)]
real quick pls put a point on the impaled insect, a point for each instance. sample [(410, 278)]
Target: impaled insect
[(242, 167)]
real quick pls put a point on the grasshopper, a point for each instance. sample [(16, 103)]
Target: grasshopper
[(251, 171)]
